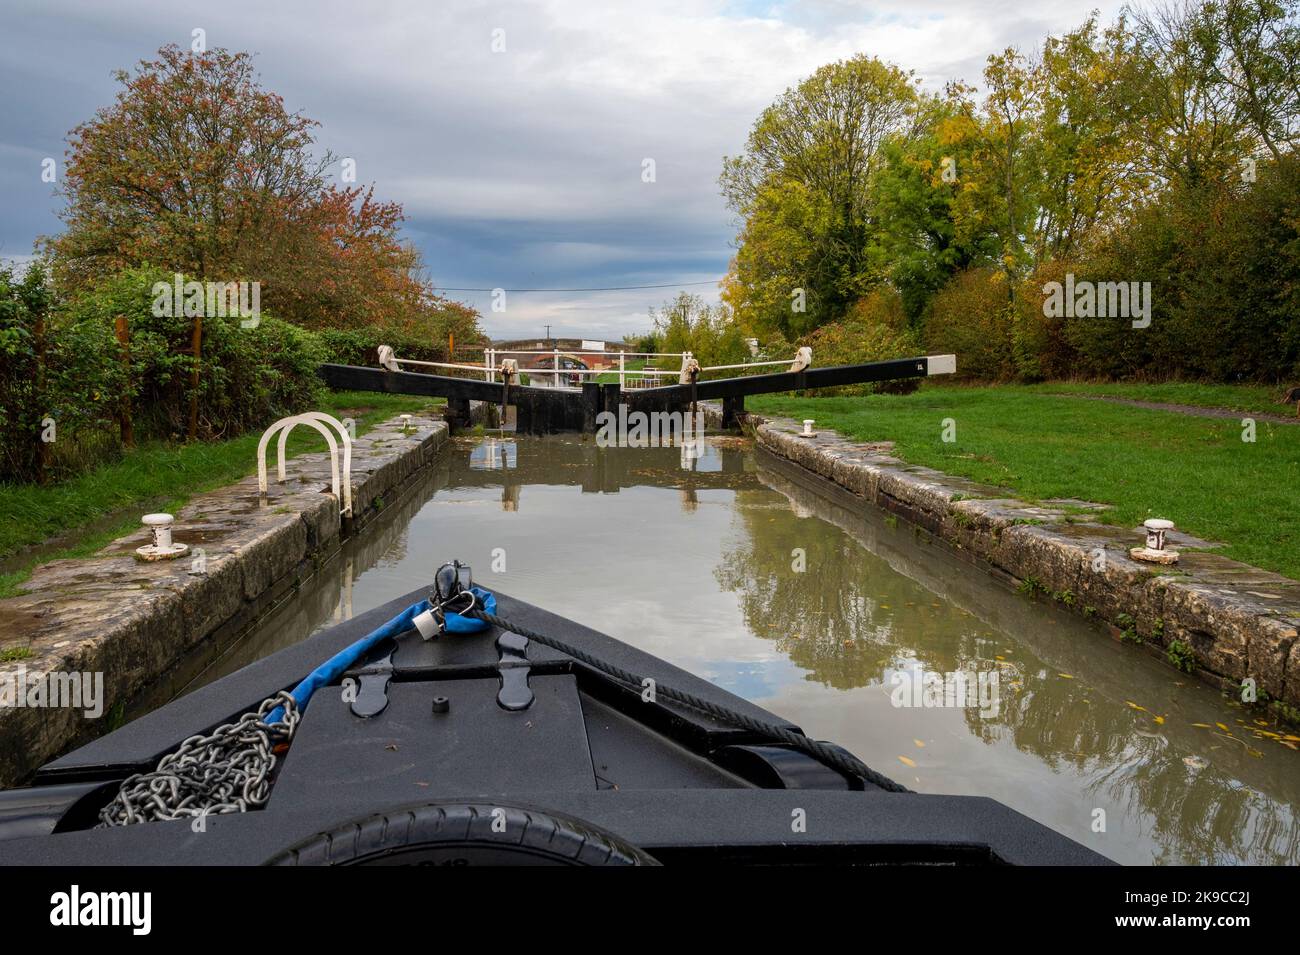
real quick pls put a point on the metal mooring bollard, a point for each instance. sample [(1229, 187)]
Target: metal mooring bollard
[(1154, 552), (808, 431), (162, 548), (406, 424)]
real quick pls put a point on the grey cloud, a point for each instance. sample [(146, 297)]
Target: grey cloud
[(519, 169)]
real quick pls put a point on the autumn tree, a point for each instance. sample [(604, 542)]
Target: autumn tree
[(1253, 50), (196, 168), (688, 323), (1050, 155), (1093, 130), (1161, 147), (802, 192), (917, 198), (1196, 132)]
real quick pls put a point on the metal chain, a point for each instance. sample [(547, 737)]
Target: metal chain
[(226, 771)]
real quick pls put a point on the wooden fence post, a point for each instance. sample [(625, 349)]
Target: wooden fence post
[(196, 348), (124, 411)]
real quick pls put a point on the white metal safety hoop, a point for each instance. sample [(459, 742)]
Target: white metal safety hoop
[(318, 420)]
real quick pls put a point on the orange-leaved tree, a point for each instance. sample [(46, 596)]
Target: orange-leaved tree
[(197, 168)]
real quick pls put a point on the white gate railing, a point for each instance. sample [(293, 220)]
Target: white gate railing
[(492, 364)]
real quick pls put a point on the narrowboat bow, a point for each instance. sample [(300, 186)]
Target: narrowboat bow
[(461, 727)]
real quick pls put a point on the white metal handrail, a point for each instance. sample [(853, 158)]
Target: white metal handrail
[(578, 351), (491, 368), (746, 364), (439, 364), (318, 420)]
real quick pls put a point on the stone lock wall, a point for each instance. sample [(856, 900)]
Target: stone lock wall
[(1237, 622)]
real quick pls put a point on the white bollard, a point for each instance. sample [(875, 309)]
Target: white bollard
[(406, 424), (162, 548), (1154, 552), (1156, 529), (808, 431)]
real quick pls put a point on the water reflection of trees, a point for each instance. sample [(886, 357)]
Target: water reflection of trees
[(850, 617), (1203, 816), (847, 617)]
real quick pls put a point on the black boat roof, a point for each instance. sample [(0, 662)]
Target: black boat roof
[(666, 778)]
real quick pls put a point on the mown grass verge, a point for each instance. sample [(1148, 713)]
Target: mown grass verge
[(1144, 463)]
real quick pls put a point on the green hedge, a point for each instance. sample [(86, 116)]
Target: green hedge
[(360, 346), (62, 362)]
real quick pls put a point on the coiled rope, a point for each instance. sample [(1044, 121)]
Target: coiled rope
[(845, 762)]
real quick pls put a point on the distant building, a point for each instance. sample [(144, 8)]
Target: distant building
[(574, 347)]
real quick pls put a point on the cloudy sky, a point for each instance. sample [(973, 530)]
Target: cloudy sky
[(520, 168)]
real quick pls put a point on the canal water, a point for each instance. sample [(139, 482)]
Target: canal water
[(741, 569)]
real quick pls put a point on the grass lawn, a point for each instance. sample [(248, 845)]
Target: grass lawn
[(1195, 471), (109, 500)]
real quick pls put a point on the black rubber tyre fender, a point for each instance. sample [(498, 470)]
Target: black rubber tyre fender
[(458, 834)]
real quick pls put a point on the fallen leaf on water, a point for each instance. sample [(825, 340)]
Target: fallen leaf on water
[(1202, 726), (907, 762), (1222, 727), (1066, 675), (1159, 719), (1142, 708), (919, 743)]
